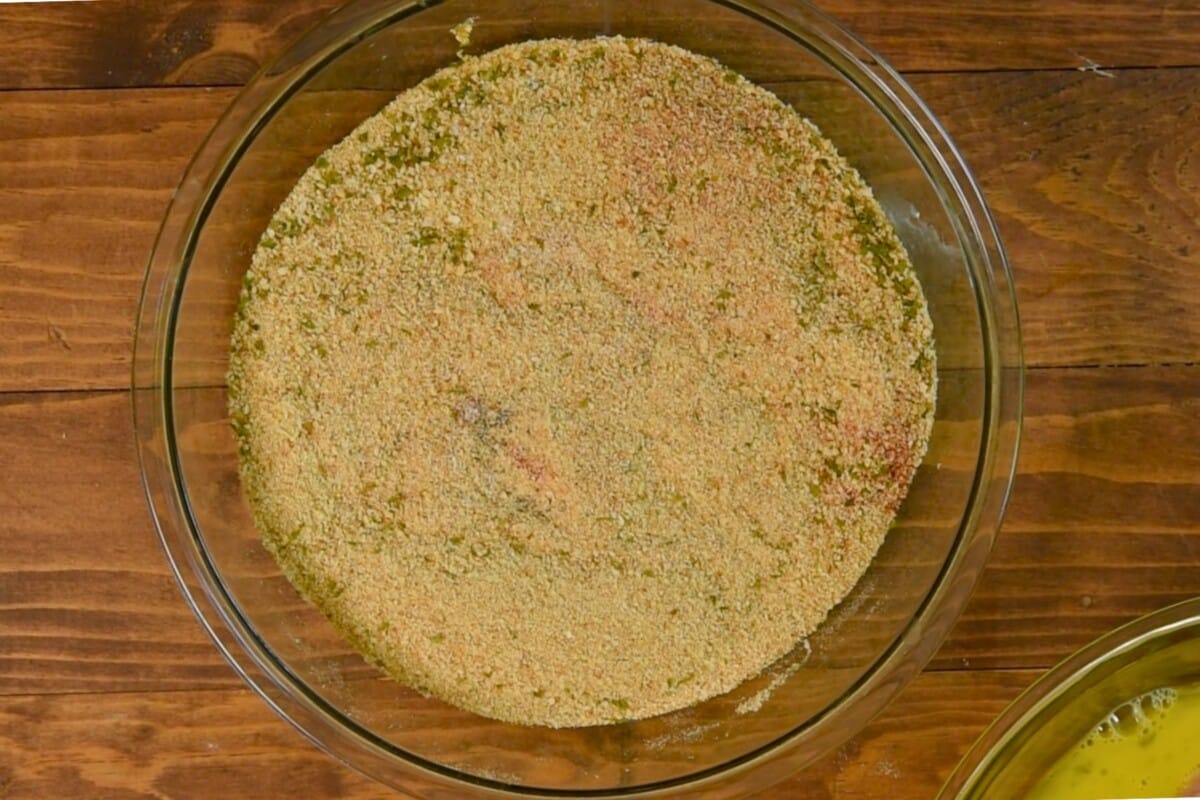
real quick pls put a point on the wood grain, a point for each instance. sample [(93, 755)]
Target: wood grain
[(1104, 526), (189, 744), (1104, 521), (1096, 188), (1100, 229), (125, 43), (86, 177), (131, 43), (87, 601)]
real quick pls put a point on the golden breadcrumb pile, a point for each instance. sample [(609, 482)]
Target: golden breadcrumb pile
[(579, 383)]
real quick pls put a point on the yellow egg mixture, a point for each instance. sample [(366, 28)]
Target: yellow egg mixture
[(1146, 747)]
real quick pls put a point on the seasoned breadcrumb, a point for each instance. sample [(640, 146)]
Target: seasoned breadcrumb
[(579, 383)]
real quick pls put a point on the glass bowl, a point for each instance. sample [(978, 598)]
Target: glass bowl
[(1159, 650), (812, 700)]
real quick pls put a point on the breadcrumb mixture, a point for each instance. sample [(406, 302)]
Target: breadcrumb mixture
[(579, 383)]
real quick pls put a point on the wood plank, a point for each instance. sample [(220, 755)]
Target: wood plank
[(204, 42), (1096, 188), (190, 743), (86, 177), (1104, 522), (130, 43), (1104, 526), (87, 601), (1100, 229)]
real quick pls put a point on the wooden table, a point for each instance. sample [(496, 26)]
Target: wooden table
[(1081, 120)]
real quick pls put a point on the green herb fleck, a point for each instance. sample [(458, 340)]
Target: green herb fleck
[(425, 236)]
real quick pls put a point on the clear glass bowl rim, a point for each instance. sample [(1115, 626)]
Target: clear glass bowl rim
[(326, 727)]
